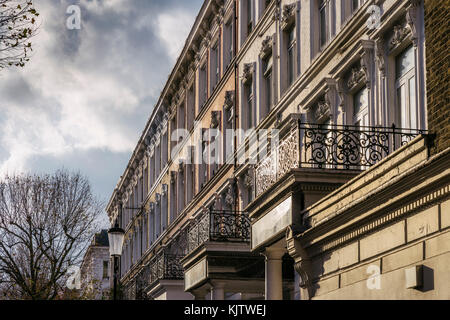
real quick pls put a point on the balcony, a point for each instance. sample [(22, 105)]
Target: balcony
[(219, 226), (331, 147), (219, 253)]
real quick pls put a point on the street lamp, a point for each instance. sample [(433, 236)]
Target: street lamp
[(116, 236)]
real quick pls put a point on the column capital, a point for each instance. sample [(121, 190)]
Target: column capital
[(274, 253)]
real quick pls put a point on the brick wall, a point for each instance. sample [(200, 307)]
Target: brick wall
[(437, 57)]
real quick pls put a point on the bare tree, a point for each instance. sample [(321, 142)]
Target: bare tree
[(46, 223), (17, 26)]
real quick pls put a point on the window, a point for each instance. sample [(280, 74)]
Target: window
[(268, 84), (190, 108), (291, 56), (356, 4), (249, 17), (324, 24), (266, 4), (203, 89), (215, 67), (228, 43), (105, 269), (248, 90), (360, 108), (406, 89)]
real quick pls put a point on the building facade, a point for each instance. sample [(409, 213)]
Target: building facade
[(299, 150), (96, 269)]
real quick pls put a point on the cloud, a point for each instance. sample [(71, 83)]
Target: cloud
[(87, 94)]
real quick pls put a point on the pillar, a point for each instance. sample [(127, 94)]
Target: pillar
[(218, 291), (274, 276)]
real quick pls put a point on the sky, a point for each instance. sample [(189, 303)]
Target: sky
[(83, 100)]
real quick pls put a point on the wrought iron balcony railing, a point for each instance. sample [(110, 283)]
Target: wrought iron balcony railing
[(329, 147), (219, 226), (165, 267)]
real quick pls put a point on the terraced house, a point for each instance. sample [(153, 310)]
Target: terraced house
[(299, 150)]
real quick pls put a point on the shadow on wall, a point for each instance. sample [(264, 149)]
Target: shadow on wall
[(428, 279)]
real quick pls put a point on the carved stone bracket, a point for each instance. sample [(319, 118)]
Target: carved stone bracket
[(173, 176), (411, 19), (266, 47), (165, 189), (288, 15), (229, 197), (357, 75), (400, 33), (248, 72), (229, 103), (367, 61), (380, 55), (302, 264), (249, 178), (215, 119)]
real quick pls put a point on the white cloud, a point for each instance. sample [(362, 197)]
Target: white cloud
[(91, 89), (172, 30)]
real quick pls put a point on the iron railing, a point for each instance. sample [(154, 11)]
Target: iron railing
[(219, 226), (329, 147), (165, 267), (350, 147)]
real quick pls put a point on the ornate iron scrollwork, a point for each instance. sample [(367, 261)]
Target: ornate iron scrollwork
[(220, 226)]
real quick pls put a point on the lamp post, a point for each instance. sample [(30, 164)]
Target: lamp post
[(116, 236)]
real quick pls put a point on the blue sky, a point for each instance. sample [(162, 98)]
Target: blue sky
[(83, 100)]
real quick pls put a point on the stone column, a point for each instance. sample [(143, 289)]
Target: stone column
[(218, 291), (274, 277)]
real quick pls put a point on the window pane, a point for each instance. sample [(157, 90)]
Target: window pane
[(360, 101), (412, 103), (405, 62), (323, 26), (402, 105), (290, 66)]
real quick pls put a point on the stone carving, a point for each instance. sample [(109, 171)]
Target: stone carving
[(249, 178), (288, 14), (323, 110), (247, 72), (229, 197), (380, 55), (215, 119), (411, 20), (357, 75), (400, 33), (288, 155), (173, 176), (265, 174), (266, 47), (229, 103), (165, 189)]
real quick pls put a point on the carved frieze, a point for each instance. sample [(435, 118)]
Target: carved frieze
[(399, 34), (357, 75)]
